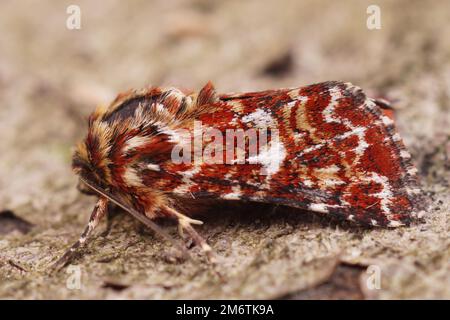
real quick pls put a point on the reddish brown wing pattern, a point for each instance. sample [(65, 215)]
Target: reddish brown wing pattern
[(337, 154)]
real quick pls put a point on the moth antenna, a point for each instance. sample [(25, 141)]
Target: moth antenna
[(97, 214), (142, 218)]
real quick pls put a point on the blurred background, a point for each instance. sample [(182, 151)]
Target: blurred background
[(52, 77)]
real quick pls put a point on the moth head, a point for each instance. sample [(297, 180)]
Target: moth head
[(90, 166)]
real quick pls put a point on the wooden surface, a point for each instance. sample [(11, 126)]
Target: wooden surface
[(51, 78)]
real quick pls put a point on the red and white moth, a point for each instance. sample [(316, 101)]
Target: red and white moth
[(336, 152)]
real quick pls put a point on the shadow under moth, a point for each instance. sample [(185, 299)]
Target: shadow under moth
[(324, 148)]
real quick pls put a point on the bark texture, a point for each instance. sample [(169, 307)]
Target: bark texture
[(51, 78)]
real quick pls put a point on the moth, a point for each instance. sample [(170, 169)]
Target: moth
[(335, 152)]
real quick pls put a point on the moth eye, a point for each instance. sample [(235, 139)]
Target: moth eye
[(83, 188)]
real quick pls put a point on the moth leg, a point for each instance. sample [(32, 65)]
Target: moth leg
[(185, 225), (109, 220), (185, 220), (97, 214)]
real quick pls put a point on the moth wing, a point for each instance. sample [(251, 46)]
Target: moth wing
[(336, 153)]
